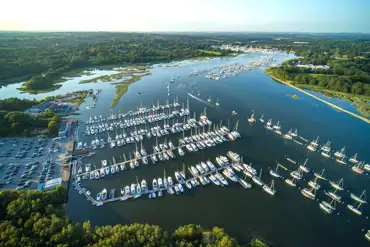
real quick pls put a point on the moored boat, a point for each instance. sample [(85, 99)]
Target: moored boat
[(309, 193), (359, 199), (270, 189)]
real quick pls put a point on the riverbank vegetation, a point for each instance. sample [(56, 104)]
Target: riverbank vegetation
[(35, 218)]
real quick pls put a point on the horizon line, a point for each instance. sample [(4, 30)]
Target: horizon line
[(236, 32)]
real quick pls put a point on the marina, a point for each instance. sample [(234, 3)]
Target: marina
[(258, 145)]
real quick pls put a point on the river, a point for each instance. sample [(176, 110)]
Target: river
[(288, 219)]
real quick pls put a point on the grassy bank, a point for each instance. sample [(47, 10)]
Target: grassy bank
[(120, 90), (122, 87)]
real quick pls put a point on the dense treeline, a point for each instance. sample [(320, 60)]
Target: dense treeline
[(348, 61), (43, 57), (15, 104), (15, 122), (35, 218)]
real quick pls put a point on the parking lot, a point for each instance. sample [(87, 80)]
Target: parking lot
[(27, 162)]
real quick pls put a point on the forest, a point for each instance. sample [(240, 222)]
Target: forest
[(36, 218), (41, 59), (15, 122), (348, 58)]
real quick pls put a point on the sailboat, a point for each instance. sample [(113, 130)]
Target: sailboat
[(334, 195), (303, 167), (326, 147), (358, 168), (270, 189), (354, 159), (309, 193), (340, 153), (217, 104), (252, 119), (320, 175), (295, 133), (275, 173), (261, 119), (314, 184), (288, 135), (356, 208), (328, 207), (341, 161), (244, 183), (291, 182), (361, 198), (209, 99), (258, 180), (313, 145), (269, 124), (297, 174), (337, 185)]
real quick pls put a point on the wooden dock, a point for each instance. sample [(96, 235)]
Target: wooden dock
[(125, 197)]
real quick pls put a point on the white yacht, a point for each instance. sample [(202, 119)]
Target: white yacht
[(313, 145), (221, 178), (154, 184), (233, 156), (354, 159), (181, 152), (297, 174), (144, 186), (303, 167), (294, 133), (326, 208), (275, 173), (291, 182), (334, 196), (337, 185), (309, 193), (320, 175), (288, 135), (314, 184), (269, 124), (258, 180), (358, 168), (244, 183), (355, 209), (326, 147), (270, 189), (340, 153), (359, 199), (261, 119), (251, 119), (214, 179), (229, 173), (341, 161)]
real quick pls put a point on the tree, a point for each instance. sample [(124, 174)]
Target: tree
[(53, 127)]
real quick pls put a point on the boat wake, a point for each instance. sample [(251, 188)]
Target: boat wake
[(201, 100)]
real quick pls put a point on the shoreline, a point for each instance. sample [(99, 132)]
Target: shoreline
[(317, 98)]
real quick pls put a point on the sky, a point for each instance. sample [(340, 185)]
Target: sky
[(187, 15)]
